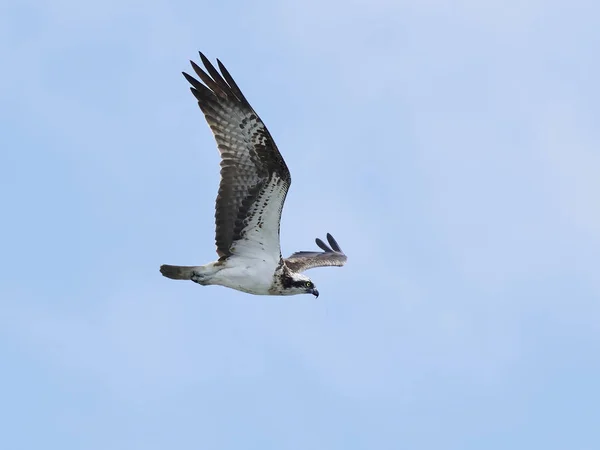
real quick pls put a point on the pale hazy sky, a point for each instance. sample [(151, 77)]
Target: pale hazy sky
[(452, 148)]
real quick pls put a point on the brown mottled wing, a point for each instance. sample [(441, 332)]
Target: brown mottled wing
[(330, 256), (252, 169)]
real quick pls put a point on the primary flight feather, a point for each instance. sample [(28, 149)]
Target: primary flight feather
[(254, 184)]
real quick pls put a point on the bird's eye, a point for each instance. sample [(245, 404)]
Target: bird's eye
[(308, 284)]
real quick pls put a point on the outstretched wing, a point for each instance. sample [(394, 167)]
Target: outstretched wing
[(330, 256), (254, 176)]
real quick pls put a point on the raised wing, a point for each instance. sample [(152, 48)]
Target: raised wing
[(330, 256), (254, 176)]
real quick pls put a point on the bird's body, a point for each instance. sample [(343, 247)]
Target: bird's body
[(250, 275), (253, 188)]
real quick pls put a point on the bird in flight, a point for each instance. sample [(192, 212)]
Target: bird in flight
[(254, 183)]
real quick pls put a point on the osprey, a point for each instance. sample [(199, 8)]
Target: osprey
[(254, 184)]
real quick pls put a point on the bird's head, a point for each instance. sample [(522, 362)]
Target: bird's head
[(296, 283)]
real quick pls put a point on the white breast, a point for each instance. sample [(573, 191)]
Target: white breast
[(251, 275)]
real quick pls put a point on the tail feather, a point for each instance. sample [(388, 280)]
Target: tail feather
[(177, 272)]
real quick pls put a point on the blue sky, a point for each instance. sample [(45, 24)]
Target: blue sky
[(451, 148)]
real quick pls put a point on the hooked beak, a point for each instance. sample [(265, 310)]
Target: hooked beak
[(315, 293)]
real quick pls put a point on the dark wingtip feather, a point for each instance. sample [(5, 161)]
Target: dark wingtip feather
[(214, 73), (196, 93), (210, 83), (192, 80), (195, 66), (198, 89), (333, 243), (200, 72), (206, 62), (231, 82), (322, 245), (204, 59)]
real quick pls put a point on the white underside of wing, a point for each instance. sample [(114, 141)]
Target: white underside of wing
[(260, 237)]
